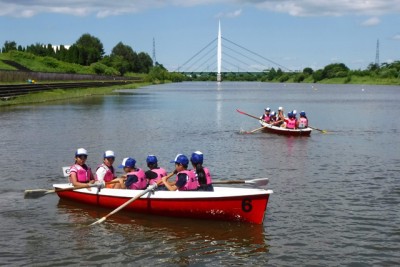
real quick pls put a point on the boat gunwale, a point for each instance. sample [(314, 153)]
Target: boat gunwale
[(124, 193), (307, 130)]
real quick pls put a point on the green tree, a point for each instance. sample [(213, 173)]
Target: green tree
[(90, 50), (157, 75), (308, 71), (335, 70), (145, 62), (9, 46), (123, 58), (318, 75)]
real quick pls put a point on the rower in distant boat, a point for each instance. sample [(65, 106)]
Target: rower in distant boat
[(290, 122), (273, 117), (280, 117), (303, 121), (266, 116)]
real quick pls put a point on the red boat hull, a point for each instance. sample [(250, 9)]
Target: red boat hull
[(246, 208)]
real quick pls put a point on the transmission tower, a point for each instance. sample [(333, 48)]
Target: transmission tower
[(154, 52), (377, 54)]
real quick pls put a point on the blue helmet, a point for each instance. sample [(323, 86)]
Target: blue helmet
[(197, 157), (290, 115), (128, 162), (151, 159), (181, 159), (302, 114)]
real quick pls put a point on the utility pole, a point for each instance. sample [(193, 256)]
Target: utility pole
[(377, 54), (154, 52)]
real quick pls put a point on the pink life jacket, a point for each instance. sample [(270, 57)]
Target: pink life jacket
[(141, 183), (303, 123), (266, 118), (161, 172), (82, 175), (191, 181), (109, 176), (208, 176), (291, 123)]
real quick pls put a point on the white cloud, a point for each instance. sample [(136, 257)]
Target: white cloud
[(104, 8), (329, 8), (371, 22), (233, 14), (396, 37)]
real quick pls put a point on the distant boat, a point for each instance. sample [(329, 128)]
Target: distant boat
[(285, 131)]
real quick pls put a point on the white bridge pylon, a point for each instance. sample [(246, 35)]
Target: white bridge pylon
[(219, 53)]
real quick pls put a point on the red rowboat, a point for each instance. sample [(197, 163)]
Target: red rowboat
[(284, 131), (225, 203)]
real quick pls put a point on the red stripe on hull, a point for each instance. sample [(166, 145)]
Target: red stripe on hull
[(288, 132), (249, 209)]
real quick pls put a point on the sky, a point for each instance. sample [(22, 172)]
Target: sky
[(292, 33)]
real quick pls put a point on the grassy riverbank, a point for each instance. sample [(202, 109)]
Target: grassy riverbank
[(60, 94)]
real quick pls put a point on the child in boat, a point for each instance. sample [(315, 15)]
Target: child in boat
[(202, 173), (154, 174), (185, 180), (280, 117), (79, 173), (106, 172), (135, 177), (302, 123), (266, 116), (290, 122)]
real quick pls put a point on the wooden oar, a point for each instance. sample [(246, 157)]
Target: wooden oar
[(322, 131), (38, 193), (244, 113), (151, 187), (256, 182), (272, 124), (255, 130)]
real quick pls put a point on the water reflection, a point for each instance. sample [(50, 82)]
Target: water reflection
[(187, 239)]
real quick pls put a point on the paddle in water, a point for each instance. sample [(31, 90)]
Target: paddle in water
[(38, 193), (322, 131), (255, 182)]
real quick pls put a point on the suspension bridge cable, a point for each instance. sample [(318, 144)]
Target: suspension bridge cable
[(203, 56), (249, 58), (205, 62), (256, 54), (198, 53)]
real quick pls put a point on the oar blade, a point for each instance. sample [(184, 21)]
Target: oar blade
[(258, 181), (98, 221), (36, 193)]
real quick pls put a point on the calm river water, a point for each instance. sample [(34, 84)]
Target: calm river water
[(336, 196)]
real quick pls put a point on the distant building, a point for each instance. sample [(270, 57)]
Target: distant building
[(55, 47)]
